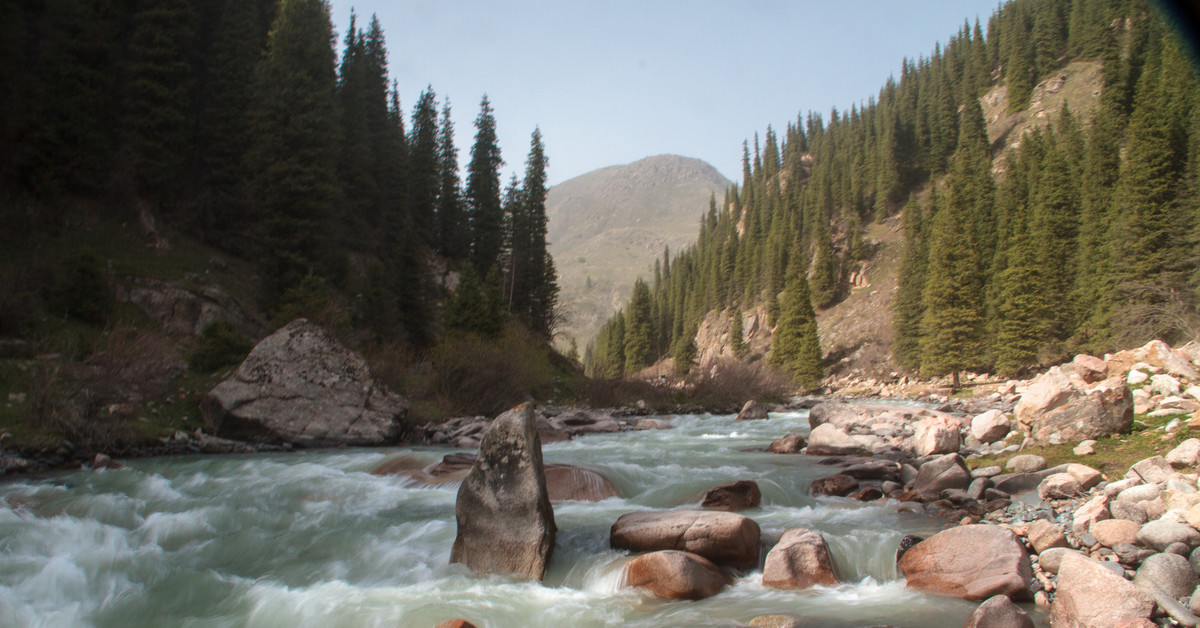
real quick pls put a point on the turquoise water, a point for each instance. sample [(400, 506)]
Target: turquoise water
[(312, 539)]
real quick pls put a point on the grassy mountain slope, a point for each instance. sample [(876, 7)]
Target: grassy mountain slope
[(608, 226)]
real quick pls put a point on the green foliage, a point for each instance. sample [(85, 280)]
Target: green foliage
[(737, 335), (219, 345), (313, 299), (908, 305), (795, 347), (82, 289), (639, 330), (475, 307)]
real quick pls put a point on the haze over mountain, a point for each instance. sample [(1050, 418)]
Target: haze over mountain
[(608, 226)]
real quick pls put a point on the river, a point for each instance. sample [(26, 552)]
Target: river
[(313, 539)]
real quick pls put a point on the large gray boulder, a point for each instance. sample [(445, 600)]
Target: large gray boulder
[(1104, 411), (798, 561), (301, 386), (941, 473), (1170, 573), (505, 521), (725, 538)]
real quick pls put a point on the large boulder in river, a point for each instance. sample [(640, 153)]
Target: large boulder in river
[(732, 496), (973, 562), (798, 561), (676, 575), (301, 386), (725, 538), (1107, 409), (505, 521), (1090, 595), (752, 411), (566, 482)]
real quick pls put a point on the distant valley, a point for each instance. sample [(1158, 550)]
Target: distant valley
[(608, 226)]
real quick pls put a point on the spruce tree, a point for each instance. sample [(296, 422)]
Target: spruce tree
[(908, 304), (295, 150), (795, 346), (484, 211), (423, 166), (639, 340), (453, 237), (1024, 312)]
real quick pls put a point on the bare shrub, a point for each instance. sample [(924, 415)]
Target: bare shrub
[(727, 384)]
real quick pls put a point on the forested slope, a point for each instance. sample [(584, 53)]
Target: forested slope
[(1061, 232)]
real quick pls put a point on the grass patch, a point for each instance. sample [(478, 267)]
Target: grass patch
[(1114, 454)]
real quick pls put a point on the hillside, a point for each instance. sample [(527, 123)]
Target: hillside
[(608, 226)]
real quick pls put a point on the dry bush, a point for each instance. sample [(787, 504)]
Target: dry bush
[(727, 384), (614, 393)]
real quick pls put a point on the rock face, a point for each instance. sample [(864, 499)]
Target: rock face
[(973, 562), (676, 575), (798, 561), (1090, 595), (1104, 411), (302, 387), (723, 537), (505, 521), (732, 496)]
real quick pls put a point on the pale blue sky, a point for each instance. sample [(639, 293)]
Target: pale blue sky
[(612, 81)]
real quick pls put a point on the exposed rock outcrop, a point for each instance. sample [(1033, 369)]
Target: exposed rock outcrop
[(505, 521), (301, 386)]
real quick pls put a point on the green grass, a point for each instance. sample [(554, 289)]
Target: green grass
[(1114, 454)]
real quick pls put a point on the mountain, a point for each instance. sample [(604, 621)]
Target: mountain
[(607, 227)]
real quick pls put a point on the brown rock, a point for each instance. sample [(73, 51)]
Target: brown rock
[(789, 444), (725, 538), (998, 612), (752, 411), (973, 562), (775, 621), (941, 473), (798, 561), (565, 482), (505, 521), (455, 623), (733, 496), (1059, 486), (1091, 368), (937, 435), (1047, 392), (834, 486), (1113, 532), (676, 575), (1102, 412), (1044, 535), (1089, 595)]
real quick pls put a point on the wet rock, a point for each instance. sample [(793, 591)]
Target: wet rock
[(990, 426), (1114, 532), (733, 496), (585, 421), (1059, 486), (676, 575), (775, 621), (1103, 411), (752, 411), (505, 521), (1089, 595), (798, 561), (723, 537), (1170, 573), (943, 472), (873, 470), (570, 483), (455, 623), (1160, 533), (102, 461), (867, 494), (1026, 463), (300, 386), (788, 444), (833, 486), (973, 562), (907, 542), (998, 612), (937, 435)]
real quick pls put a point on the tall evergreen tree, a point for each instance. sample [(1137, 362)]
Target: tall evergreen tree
[(795, 346), (908, 304), (295, 145), (639, 329), (484, 211), (452, 231), (423, 167)]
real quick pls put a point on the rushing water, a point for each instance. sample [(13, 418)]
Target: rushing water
[(312, 539)]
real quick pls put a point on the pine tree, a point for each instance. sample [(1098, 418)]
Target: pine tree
[(475, 307), (737, 335), (908, 304), (639, 340), (1024, 312), (295, 145), (795, 347), (453, 237), (423, 167), (483, 207)]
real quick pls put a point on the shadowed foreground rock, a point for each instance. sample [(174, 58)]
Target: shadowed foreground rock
[(732, 496), (725, 538), (675, 575), (505, 521), (798, 561), (973, 562), (999, 612), (300, 386)]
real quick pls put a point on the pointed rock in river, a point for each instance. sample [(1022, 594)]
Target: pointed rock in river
[(505, 520)]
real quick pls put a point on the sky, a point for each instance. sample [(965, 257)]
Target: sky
[(609, 82)]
